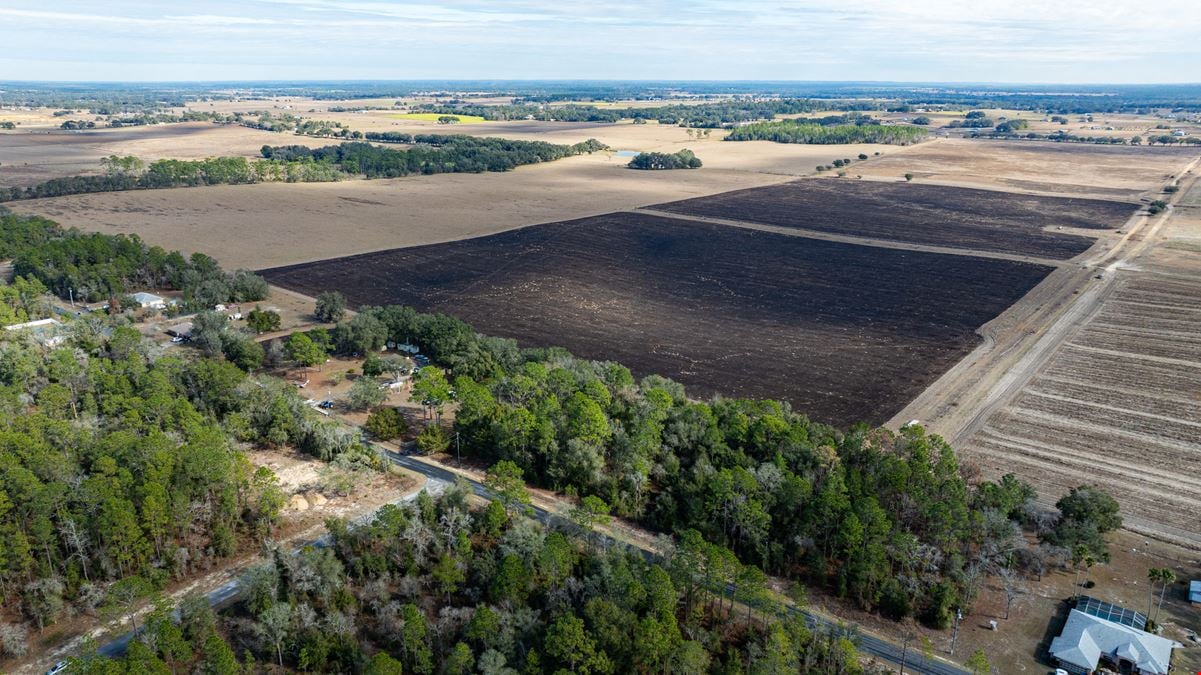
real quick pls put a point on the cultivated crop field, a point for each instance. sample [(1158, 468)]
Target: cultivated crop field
[(920, 214), (847, 333), (1118, 406), (1072, 169)]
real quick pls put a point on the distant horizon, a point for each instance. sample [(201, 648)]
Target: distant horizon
[(1022, 41), (505, 80)]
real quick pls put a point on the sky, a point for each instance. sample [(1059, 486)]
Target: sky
[(1016, 41)]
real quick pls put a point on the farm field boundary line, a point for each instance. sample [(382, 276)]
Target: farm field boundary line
[(850, 239), (983, 187), (922, 215)]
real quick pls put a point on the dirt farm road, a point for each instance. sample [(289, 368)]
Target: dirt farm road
[(851, 239)]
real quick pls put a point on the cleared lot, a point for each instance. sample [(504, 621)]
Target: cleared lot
[(920, 214), (846, 333)]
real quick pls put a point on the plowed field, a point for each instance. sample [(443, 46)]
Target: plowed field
[(847, 333), (919, 214)]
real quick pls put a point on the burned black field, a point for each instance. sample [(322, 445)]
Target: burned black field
[(920, 214), (846, 333)]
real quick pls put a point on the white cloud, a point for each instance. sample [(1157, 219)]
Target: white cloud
[(1017, 40)]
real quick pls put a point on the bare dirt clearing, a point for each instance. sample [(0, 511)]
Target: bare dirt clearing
[(28, 158), (923, 214), (273, 224), (1075, 169), (846, 333)]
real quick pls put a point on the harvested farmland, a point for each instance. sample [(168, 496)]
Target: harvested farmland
[(919, 214), (846, 333), (1117, 406)]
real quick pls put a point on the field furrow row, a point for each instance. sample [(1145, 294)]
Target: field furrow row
[(1147, 400), (1167, 484)]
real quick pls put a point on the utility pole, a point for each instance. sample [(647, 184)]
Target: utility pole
[(904, 651), (955, 632), (458, 450)]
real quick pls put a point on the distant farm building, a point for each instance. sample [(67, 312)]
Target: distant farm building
[(47, 332), (1098, 632), (181, 330)]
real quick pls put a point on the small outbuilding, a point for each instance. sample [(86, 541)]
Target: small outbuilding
[(1194, 592), (181, 330), (47, 332)]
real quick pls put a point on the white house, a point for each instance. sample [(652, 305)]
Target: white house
[(149, 300)]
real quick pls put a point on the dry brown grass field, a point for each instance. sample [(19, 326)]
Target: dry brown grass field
[(1075, 169), (29, 157), (274, 224)]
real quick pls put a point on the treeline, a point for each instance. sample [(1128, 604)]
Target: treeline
[(433, 154), (802, 131), (542, 113), (684, 159), (439, 587), (710, 115), (1065, 137), (296, 163), (98, 267), (169, 173), (889, 521)]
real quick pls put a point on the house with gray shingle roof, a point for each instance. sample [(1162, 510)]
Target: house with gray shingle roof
[(1087, 641)]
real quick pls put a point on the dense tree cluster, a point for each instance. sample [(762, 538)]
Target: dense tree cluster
[(437, 587), (77, 125), (121, 467), (434, 154), (117, 465), (297, 163), (802, 131), (96, 267), (886, 520), (711, 115), (168, 173), (22, 300), (1012, 126), (654, 161)]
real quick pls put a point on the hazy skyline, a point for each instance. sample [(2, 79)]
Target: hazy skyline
[(932, 40)]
